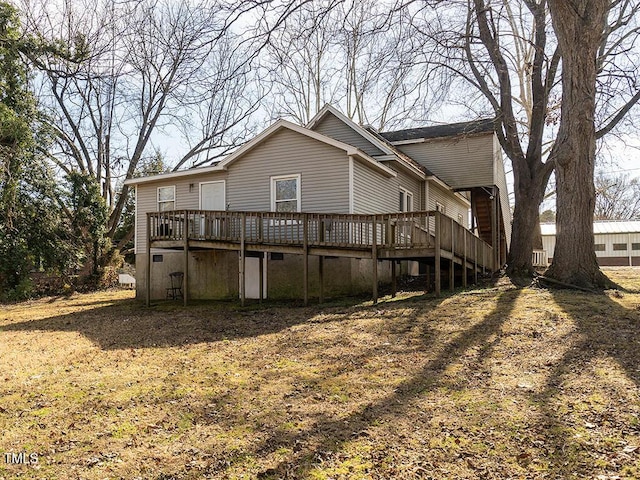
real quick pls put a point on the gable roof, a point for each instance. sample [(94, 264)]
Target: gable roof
[(373, 137), (398, 153), (257, 140), (484, 125), (351, 124)]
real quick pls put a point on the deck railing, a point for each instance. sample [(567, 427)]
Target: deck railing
[(404, 230)]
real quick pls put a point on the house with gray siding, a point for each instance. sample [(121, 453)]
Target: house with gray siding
[(331, 166)]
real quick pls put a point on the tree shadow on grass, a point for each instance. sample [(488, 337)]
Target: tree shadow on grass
[(604, 331), (329, 434), (124, 324)]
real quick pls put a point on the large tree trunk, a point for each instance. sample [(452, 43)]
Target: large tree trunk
[(579, 25), (526, 221)]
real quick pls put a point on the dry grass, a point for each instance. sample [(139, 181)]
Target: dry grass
[(494, 383)]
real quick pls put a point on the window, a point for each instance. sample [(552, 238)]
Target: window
[(599, 247), (635, 246), (439, 207), (285, 193), (406, 201), (619, 246), (166, 198)]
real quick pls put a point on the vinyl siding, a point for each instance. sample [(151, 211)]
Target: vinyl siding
[(501, 183), (333, 127), (410, 183), (461, 163), (187, 198), (323, 170), (373, 192), (452, 205)]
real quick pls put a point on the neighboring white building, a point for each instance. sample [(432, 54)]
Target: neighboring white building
[(617, 242)]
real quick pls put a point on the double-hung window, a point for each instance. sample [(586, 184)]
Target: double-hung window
[(406, 201), (285, 193), (166, 198)]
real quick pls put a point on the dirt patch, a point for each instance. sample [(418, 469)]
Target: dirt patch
[(501, 382)]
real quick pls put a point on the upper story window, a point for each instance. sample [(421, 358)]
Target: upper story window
[(166, 198), (285, 193), (406, 201)]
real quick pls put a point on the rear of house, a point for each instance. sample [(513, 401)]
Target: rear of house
[(331, 166)]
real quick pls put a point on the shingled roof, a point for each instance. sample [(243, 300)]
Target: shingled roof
[(440, 131)]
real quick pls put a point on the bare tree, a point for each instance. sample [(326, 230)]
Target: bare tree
[(150, 69), (357, 55), (507, 52), (617, 197)]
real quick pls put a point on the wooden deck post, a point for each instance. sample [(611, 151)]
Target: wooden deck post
[(374, 259), (452, 263), (394, 283), (185, 279), (475, 262), (148, 265), (261, 274), (464, 259), (437, 259), (243, 226), (321, 274), (305, 248)]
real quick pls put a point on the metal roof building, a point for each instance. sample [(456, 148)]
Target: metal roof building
[(617, 242)]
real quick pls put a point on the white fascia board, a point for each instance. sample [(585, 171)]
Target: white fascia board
[(438, 139), (167, 176), (408, 167), (349, 149), (351, 124)]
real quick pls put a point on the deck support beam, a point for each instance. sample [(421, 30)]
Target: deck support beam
[(464, 260), (374, 259), (305, 248), (437, 257), (452, 265), (394, 281), (243, 226), (185, 279), (321, 275), (148, 265), (261, 275)]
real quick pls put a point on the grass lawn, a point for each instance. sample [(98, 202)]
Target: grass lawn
[(489, 383)]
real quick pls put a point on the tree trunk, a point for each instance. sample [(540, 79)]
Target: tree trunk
[(526, 220), (578, 25)]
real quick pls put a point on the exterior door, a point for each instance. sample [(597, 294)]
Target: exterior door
[(212, 197), (252, 277)]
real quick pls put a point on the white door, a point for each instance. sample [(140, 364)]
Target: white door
[(212, 197), (252, 277)]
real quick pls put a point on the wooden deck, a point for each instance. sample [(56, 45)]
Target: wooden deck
[(393, 236)]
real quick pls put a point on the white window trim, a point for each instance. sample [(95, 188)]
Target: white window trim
[(224, 192), (407, 200), (158, 202), (273, 180)]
